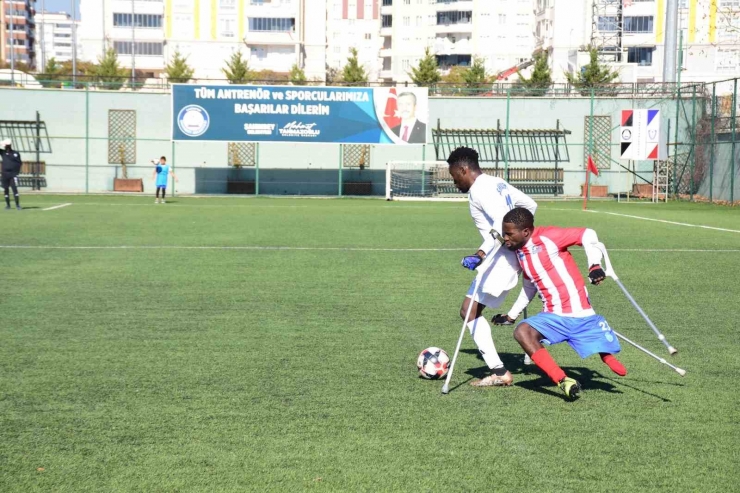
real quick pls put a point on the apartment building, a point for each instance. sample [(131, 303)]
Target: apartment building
[(456, 31), (631, 35), (354, 24), (55, 38), (272, 34), (18, 31)]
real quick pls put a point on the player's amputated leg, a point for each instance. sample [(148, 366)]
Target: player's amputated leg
[(613, 363)]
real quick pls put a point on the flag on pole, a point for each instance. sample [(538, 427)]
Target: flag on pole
[(591, 166), (391, 110)]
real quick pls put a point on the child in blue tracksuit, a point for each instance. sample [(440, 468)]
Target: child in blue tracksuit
[(161, 174)]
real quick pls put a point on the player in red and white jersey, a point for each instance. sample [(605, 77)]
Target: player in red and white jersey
[(567, 316)]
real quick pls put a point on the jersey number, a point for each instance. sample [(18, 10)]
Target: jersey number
[(509, 202)]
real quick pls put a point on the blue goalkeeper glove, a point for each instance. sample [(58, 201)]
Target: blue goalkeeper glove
[(471, 262)]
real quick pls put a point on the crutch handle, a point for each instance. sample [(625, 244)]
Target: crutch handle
[(608, 270)]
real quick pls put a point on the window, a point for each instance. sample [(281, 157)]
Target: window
[(271, 24), (407, 2), (386, 21), (729, 4), (453, 17), (638, 24), (418, 21), (368, 36), (502, 19), (387, 3), (640, 55), (607, 23), (227, 4), (406, 64), (145, 21), (143, 48), (226, 27), (337, 49), (406, 21)]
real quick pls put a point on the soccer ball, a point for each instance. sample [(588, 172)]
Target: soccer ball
[(433, 363)]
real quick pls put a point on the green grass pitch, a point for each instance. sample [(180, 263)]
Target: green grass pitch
[(202, 358)]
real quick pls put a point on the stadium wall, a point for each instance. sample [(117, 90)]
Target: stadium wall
[(77, 123)]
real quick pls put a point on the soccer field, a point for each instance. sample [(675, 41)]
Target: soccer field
[(226, 344)]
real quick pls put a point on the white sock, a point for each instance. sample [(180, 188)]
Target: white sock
[(481, 332)]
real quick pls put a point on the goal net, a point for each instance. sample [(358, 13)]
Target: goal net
[(420, 180)]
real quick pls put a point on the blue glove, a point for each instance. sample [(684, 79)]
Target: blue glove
[(471, 262)]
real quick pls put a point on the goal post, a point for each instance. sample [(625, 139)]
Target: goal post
[(420, 180)]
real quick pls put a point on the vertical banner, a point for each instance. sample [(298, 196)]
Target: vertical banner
[(347, 115), (640, 136)]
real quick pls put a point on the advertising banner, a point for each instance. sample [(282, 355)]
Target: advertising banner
[(346, 115)]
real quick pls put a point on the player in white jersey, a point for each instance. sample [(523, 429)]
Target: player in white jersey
[(490, 199)]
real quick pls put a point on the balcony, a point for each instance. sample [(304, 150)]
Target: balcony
[(271, 37), (449, 45), (455, 22), (450, 5)]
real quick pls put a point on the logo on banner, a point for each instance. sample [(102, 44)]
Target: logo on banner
[(299, 129), (193, 120)]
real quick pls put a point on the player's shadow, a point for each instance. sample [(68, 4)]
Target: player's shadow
[(588, 378)]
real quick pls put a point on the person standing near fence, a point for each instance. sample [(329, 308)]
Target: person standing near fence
[(161, 173), (11, 167)]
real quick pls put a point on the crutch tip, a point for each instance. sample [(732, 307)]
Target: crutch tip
[(681, 372), (446, 388), (672, 350)]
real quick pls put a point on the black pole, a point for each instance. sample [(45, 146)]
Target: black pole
[(37, 165), (557, 154)]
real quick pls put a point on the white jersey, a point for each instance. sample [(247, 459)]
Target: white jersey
[(490, 198)]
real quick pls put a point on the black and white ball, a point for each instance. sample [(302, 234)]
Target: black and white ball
[(433, 363)]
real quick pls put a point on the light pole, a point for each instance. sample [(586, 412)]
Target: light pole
[(41, 36), (12, 44), (133, 45), (74, 43)]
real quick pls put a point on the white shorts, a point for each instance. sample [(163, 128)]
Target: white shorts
[(485, 299)]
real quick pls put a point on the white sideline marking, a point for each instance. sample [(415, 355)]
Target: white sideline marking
[(666, 222), (644, 219), (335, 249), (57, 206)]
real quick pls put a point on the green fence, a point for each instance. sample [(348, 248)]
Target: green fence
[(88, 152)]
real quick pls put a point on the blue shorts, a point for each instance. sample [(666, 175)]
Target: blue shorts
[(161, 186), (586, 335)]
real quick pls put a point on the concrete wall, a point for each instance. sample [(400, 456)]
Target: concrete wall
[(77, 123)]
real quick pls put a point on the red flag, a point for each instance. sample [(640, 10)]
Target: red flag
[(591, 166), (391, 110)]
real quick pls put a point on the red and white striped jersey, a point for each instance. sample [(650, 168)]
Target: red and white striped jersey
[(547, 264)]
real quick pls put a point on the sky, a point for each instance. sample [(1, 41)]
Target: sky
[(58, 6)]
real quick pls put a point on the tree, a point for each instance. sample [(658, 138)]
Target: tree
[(52, 73), (274, 78), (332, 74), (592, 76), (297, 76), (178, 69), (108, 71), (353, 73), (237, 69), (540, 79), (427, 72), (475, 76)]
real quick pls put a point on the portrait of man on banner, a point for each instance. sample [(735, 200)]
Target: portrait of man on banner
[(404, 117)]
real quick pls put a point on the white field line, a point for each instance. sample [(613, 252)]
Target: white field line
[(333, 249), (702, 226), (57, 206)]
